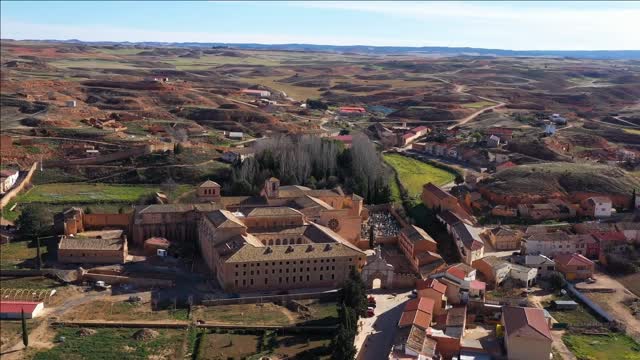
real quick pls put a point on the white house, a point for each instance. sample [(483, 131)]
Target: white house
[(597, 206), (544, 265), (236, 135), (8, 178)]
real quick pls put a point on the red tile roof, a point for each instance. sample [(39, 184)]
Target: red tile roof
[(479, 285), (417, 312), (436, 191), (457, 272), (613, 236), (419, 128), (431, 284), (13, 307), (572, 259), (525, 322), (353, 109)]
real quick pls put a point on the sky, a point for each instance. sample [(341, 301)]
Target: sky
[(499, 25)]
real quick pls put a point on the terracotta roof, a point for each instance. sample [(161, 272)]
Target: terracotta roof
[(477, 284), (224, 219), (14, 307), (78, 243), (572, 260), (610, 236), (449, 217), (414, 233), (436, 191), (175, 208), (456, 272), (250, 253), (273, 212), (468, 236), (158, 241), (431, 284), (418, 312), (525, 322), (209, 183)]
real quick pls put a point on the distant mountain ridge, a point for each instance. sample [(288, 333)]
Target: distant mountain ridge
[(379, 50)]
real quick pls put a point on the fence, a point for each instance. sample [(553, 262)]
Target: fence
[(325, 295), (9, 195)]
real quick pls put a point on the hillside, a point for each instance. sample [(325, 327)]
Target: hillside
[(560, 179)]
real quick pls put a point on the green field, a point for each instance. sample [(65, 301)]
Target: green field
[(214, 346), (74, 193), (15, 253), (477, 105), (113, 344), (414, 174), (581, 315), (602, 347)]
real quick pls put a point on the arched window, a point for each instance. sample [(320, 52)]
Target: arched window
[(277, 241)]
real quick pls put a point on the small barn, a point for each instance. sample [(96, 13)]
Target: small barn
[(152, 245), (564, 304), (14, 309)]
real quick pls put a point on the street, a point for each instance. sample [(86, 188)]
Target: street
[(376, 334)]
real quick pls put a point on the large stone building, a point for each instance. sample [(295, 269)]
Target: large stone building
[(288, 237), (109, 247), (274, 248)]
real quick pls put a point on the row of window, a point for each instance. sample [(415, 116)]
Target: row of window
[(283, 241), (273, 263), (286, 280), (273, 271)]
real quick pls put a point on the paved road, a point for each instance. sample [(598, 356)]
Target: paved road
[(376, 334)]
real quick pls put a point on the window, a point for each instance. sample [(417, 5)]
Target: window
[(251, 272), (266, 281), (236, 282), (251, 281), (333, 277), (307, 277), (280, 280), (320, 277), (236, 273), (257, 272), (244, 282), (244, 273)]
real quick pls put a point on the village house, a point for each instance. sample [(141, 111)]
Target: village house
[(549, 211), (458, 279), (574, 266), (418, 247), (596, 207), (469, 244), (496, 271), (502, 238), (560, 242), (527, 335), (543, 263), (352, 111), (433, 197), (503, 210), (611, 242), (503, 133), (344, 139), (8, 178), (237, 155), (631, 230), (417, 312), (434, 290), (256, 93)]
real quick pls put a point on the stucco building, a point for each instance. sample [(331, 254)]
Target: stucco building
[(93, 250), (527, 335)]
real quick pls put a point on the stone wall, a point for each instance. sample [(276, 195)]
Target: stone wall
[(13, 192)]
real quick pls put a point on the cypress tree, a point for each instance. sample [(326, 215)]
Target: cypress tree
[(25, 335)]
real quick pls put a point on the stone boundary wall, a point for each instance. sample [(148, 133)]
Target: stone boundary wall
[(326, 295), (117, 279), (13, 192)]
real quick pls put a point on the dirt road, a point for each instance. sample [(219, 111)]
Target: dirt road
[(613, 302)]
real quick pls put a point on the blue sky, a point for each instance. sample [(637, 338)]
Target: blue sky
[(505, 25)]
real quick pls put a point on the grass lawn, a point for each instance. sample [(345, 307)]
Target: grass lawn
[(14, 254), (121, 310), (581, 315), (257, 314), (414, 174), (239, 346), (602, 347), (477, 105), (74, 193), (267, 314), (30, 282), (11, 332), (226, 346), (110, 343)]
